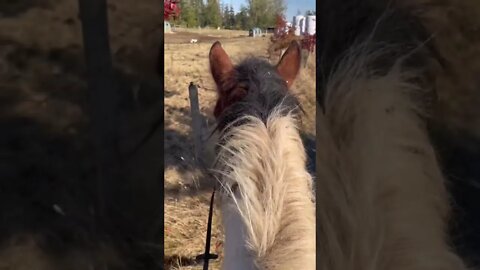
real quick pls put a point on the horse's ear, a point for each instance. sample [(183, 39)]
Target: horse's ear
[(220, 63), (289, 65)]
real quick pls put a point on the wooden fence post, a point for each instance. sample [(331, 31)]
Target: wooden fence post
[(196, 121)]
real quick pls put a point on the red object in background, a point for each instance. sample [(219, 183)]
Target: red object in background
[(171, 9), (281, 28), (309, 42)]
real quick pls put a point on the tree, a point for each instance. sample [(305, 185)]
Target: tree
[(257, 10), (242, 19), (231, 17), (213, 14), (262, 13), (278, 7), (199, 8), (225, 16), (189, 15)]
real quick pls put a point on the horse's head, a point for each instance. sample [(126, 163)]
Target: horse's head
[(254, 85), (260, 155)]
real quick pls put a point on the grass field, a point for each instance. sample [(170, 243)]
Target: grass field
[(48, 181), (187, 192)]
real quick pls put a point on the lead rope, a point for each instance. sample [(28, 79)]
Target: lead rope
[(206, 255)]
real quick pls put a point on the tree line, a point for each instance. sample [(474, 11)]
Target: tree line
[(213, 13)]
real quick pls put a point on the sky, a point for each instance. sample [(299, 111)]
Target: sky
[(292, 6)]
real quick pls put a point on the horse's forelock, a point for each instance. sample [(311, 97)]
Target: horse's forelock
[(254, 88)]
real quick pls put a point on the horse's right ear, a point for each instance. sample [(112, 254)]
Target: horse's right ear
[(289, 65), (220, 63)]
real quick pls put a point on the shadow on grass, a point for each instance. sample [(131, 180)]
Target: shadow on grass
[(48, 178), (180, 155)]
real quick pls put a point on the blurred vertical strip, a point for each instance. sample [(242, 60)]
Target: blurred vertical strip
[(102, 97)]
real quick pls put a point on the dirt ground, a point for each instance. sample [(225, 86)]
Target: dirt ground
[(48, 182), (187, 190), (203, 35)]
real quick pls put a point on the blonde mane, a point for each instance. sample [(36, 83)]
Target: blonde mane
[(264, 178)]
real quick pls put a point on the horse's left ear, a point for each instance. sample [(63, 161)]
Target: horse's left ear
[(220, 63), (289, 65)]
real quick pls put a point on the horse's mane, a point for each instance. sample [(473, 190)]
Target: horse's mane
[(262, 165), (263, 170)]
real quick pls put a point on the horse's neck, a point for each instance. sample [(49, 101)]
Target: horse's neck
[(281, 222), (237, 256)]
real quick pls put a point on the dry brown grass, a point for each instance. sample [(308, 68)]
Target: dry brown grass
[(187, 194), (44, 122), (222, 33)]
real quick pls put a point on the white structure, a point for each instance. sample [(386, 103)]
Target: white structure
[(299, 24), (311, 24), (167, 28), (287, 26), (255, 32), (303, 26)]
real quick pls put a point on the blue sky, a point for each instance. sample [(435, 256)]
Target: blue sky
[(292, 6)]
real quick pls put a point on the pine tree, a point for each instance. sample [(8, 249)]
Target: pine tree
[(213, 14), (189, 15), (231, 17), (225, 16), (242, 18), (200, 9)]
